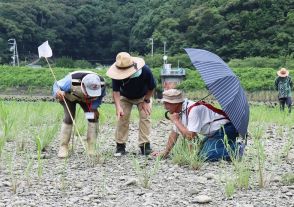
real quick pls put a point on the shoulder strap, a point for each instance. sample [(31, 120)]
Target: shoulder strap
[(211, 107)]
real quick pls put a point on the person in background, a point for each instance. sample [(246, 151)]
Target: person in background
[(87, 89), (284, 84), (191, 120), (132, 84)]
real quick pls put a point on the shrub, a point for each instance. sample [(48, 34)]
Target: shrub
[(64, 62), (82, 64)]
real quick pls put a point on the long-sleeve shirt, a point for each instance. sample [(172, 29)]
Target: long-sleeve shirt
[(284, 85), (65, 85)]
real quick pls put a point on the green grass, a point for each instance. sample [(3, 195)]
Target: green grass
[(252, 78)]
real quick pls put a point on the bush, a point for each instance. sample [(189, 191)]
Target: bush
[(82, 64), (157, 60), (64, 62), (263, 62)]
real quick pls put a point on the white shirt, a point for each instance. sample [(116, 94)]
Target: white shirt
[(200, 119)]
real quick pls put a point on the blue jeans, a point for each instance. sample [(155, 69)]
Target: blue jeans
[(214, 148)]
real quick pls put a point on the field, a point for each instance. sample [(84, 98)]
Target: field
[(32, 175)]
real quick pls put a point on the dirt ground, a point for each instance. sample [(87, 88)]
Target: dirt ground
[(112, 181)]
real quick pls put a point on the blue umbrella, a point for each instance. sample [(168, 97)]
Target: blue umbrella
[(224, 85)]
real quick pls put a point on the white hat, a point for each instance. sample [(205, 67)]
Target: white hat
[(92, 85), (124, 66)]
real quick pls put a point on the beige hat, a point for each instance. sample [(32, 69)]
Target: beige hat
[(124, 66), (172, 96), (283, 72)]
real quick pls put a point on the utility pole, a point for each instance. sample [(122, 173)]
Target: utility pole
[(164, 51), (13, 49), (151, 39)]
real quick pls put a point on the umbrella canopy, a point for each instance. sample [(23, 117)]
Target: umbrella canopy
[(224, 85)]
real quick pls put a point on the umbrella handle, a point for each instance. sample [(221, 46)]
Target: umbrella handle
[(166, 115)]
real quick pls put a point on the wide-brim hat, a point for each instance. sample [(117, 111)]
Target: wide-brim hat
[(92, 85), (125, 66), (283, 72), (172, 96)]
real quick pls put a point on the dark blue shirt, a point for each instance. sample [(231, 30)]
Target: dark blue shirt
[(134, 88)]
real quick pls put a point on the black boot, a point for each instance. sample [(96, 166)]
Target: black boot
[(145, 148), (120, 150)]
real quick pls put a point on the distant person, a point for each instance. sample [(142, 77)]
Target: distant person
[(133, 85), (87, 89), (191, 120), (283, 85)]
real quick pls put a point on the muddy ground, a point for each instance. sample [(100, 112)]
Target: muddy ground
[(111, 181)]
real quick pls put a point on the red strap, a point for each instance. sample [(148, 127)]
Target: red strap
[(211, 107), (89, 104)]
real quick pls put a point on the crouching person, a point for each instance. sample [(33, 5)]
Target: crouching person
[(191, 119), (87, 89)]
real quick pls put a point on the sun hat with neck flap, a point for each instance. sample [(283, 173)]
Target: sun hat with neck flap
[(124, 66)]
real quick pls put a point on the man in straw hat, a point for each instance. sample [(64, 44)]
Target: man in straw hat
[(283, 85), (201, 119), (132, 84), (87, 89)]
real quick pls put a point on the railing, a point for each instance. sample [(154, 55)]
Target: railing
[(173, 71)]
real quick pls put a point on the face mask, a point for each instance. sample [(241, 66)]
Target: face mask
[(136, 74)]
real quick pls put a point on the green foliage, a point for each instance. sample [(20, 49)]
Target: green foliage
[(97, 30), (262, 62), (64, 62), (82, 64), (187, 153), (145, 172), (288, 179)]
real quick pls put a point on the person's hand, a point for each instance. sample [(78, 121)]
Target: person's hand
[(146, 107), (96, 112), (119, 112), (174, 117), (60, 95), (161, 155)]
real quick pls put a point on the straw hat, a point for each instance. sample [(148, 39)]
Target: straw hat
[(92, 85), (124, 66), (172, 96), (283, 72)]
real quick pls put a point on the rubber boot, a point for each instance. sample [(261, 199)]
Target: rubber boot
[(65, 134), (91, 137)]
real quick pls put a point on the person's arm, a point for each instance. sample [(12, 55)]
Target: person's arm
[(175, 118), (116, 98), (172, 139), (61, 87), (146, 105), (151, 85), (290, 82), (276, 84)]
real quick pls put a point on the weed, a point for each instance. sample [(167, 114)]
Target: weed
[(39, 150), (288, 179), (144, 173), (187, 153)]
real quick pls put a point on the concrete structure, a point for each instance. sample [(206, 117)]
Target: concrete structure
[(171, 77)]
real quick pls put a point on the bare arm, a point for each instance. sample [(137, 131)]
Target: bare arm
[(146, 107), (116, 98), (184, 130), (149, 94), (172, 139)]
